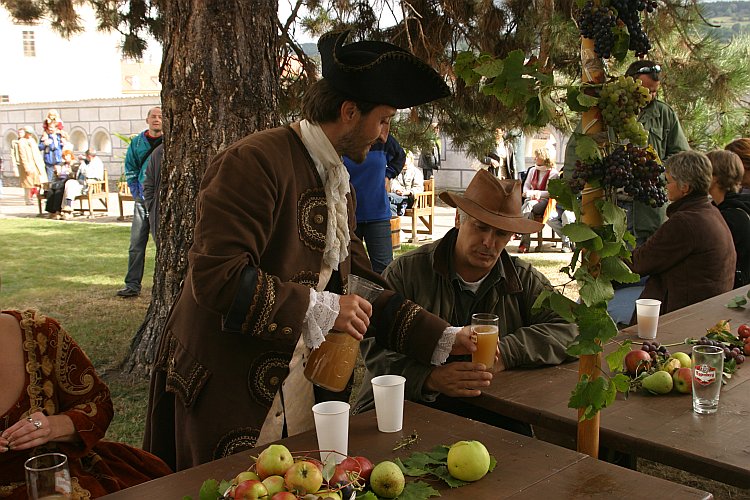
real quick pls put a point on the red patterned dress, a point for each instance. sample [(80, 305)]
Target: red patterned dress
[(60, 379)]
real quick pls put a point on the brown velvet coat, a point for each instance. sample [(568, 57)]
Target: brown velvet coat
[(690, 258), (258, 247)]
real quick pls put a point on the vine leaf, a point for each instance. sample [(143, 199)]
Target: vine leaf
[(615, 359), (612, 214), (589, 394), (595, 290), (616, 270), (210, 490), (578, 232), (418, 490), (563, 306), (490, 69), (622, 41), (571, 100), (586, 148)]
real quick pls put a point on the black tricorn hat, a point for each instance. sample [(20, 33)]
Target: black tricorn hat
[(378, 72)]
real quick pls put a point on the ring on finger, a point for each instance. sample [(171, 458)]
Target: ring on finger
[(37, 424)]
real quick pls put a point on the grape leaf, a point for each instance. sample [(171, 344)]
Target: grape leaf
[(578, 232), (560, 191), (612, 214), (490, 68), (589, 394), (412, 469), (737, 302), (615, 269), (587, 100), (210, 490), (596, 290), (621, 382), (442, 473), (616, 358), (572, 100), (367, 495), (622, 41), (541, 299), (464, 68), (563, 306), (586, 148), (418, 490)]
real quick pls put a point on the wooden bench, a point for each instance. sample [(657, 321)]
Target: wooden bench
[(423, 210), (123, 194), (98, 190)]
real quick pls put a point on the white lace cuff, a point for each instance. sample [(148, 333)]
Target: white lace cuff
[(320, 316), (445, 345)]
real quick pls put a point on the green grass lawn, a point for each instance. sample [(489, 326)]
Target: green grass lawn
[(71, 272)]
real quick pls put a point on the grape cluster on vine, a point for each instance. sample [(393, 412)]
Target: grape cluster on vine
[(655, 349), (596, 22), (634, 170), (628, 11), (729, 353), (620, 102)]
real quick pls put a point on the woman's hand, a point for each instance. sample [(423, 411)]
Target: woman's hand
[(35, 430)]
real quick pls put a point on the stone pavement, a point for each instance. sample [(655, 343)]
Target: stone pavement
[(12, 206)]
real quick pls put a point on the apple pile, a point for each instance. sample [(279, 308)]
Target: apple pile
[(658, 372)]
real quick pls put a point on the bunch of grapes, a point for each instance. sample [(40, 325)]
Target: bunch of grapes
[(628, 11), (655, 349), (637, 171), (596, 22), (733, 353), (584, 172), (620, 101)]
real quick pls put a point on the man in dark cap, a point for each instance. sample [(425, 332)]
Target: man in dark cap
[(469, 271), (273, 249)]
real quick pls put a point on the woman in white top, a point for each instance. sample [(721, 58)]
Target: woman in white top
[(535, 191)]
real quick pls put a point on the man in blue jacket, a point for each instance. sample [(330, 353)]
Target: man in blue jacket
[(136, 159)]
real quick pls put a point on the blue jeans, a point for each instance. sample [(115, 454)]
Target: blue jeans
[(137, 252), (377, 237), (50, 172)]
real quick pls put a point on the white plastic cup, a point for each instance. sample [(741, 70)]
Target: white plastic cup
[(332, 428), (647, 311), (389, 402)]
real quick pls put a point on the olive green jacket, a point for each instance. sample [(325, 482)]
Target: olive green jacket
[(666, 136), (527, 338)]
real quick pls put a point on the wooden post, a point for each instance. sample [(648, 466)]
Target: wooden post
[(591, 124)]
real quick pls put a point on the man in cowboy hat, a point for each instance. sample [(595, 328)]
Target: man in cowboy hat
[(273, 249), (469, 271)]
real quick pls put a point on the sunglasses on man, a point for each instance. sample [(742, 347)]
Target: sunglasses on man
[(651, 70)]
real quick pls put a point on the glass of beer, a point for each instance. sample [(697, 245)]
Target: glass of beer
[(48, 477), (484, 332)]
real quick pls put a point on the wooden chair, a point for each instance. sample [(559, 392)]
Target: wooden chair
[(540, 238), (423, 210), (123, 194)]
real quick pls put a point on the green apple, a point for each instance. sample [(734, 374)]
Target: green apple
[(252, 489), (671, 365), (245, 475), (303, 477), (659, 382), (273, 461), (328, 495), (387, 480), (468, 460), (684, 358)]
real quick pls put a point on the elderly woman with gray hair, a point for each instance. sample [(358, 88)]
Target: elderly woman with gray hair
[(691, 257)]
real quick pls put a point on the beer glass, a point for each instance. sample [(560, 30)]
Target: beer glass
[(708, 366), (48, 477), (485, 333)]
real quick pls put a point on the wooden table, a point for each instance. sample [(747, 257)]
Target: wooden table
[(527, 468), (659, 428)]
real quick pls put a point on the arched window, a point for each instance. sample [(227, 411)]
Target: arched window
[(101, 142), (10, 136), (79, 140)]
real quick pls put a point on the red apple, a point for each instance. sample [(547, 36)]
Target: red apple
[(284, 495), (683, 380), (339, 475), (637, 361), (252, 489), (359, 465), (274, 484), (744, 331), (303, 477), (273, 461)]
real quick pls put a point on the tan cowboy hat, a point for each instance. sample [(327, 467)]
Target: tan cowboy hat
[(495, 202)]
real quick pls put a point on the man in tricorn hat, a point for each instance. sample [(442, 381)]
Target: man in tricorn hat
[(469, 271), (268, 269)]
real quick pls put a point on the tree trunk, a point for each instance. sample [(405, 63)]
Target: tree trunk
[(220, 82)]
